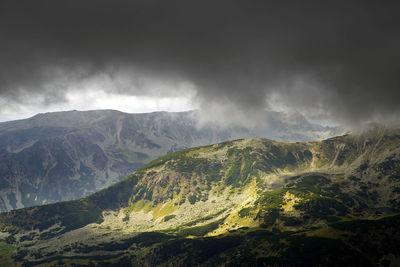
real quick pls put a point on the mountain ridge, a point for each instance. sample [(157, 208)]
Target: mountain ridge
[(66, 155), (232, 194)]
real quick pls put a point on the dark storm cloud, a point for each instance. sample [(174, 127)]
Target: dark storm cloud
[(332, 59)]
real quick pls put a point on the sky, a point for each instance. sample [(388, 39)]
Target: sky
[(333, 61)]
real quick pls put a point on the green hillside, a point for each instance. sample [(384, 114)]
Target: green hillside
[(68, 155), (242, 202)]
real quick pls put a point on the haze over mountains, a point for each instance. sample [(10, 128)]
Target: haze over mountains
[(67, 155), (249, 201)]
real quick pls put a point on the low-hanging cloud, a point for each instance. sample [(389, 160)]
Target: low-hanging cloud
[(334, 60)]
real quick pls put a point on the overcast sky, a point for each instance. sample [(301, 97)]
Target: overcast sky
[(336, 61)]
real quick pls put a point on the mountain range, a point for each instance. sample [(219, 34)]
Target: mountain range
[(246, 202), (62, 156)]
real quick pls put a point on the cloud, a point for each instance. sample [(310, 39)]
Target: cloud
[(332, 60)]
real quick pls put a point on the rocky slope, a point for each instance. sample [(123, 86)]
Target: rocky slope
[(67, 155), (243, 202)]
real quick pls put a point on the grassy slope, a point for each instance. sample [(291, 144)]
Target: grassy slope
[(324, 183)]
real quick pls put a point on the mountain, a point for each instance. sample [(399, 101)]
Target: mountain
[(67, 155), (245, 202)]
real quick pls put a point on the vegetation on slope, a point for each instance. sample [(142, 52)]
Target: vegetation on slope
[(248, 200)]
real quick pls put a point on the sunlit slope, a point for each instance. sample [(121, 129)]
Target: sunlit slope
[(68, 155), (222, 190)]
